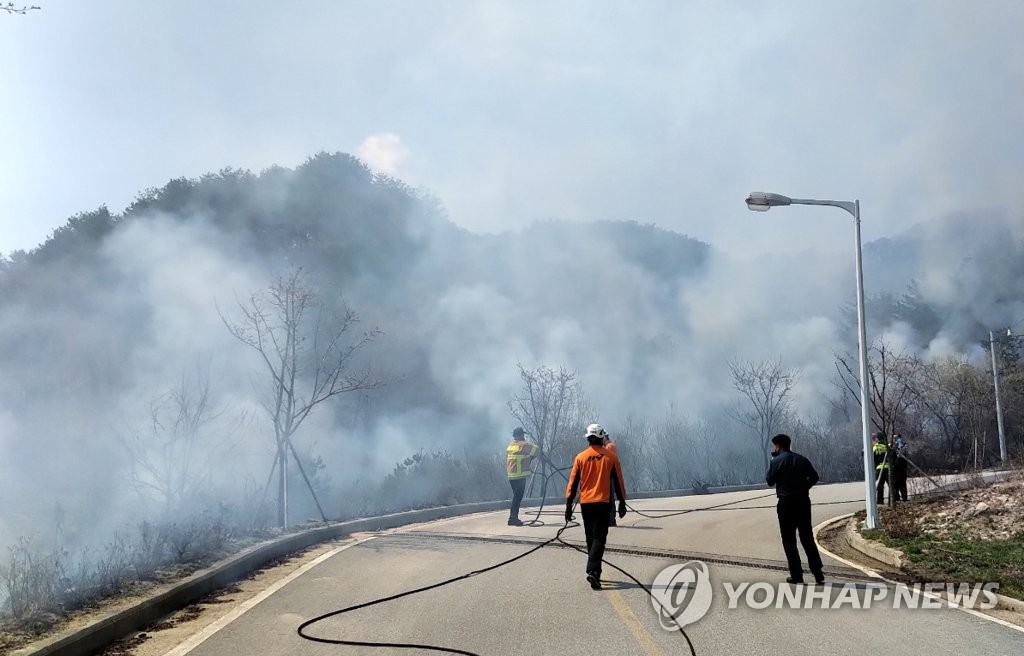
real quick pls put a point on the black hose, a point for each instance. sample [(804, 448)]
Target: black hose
[(544, 487), (451, 650), (689, 643), (690, 510), (400, 645), (558, 538), (721, 507)]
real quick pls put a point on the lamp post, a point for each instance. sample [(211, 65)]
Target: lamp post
[(995, 383), (762, 202)]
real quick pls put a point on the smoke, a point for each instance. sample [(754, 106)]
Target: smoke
[(647, 318), (384, 152)]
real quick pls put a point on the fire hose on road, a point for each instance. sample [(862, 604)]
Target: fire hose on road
[(558, 541)]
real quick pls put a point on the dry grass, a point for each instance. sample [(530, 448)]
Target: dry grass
[(40, 584), (974, 535)]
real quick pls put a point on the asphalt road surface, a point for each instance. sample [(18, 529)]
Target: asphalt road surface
[(541, 604)]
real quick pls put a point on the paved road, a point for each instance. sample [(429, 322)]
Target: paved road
[(542, 605)]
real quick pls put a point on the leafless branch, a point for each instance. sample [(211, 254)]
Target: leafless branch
[(10, 8)]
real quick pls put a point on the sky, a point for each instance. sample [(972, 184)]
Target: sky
[(661, 112), (664, 113)]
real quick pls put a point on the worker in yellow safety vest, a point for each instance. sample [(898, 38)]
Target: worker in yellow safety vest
[(880, 450), (519, 458)]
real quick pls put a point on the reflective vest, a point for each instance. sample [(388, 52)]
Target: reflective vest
[(518, 458), (880, 449)]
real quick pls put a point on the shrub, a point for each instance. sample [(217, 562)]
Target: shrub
[(901, 522)]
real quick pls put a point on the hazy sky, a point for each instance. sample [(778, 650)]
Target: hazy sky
[(662, 112)]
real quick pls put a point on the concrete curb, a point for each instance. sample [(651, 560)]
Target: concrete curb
[(896, 558), (1009, 603), (872, 549), (236, 566), (190, 590)]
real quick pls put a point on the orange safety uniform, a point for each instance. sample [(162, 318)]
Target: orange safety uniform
[(595, 472)]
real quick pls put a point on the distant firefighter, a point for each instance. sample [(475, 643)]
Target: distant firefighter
[(880, 451), (610, 445), (518, 458), (898, 485)]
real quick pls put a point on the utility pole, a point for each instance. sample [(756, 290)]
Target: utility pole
[(999, 407)]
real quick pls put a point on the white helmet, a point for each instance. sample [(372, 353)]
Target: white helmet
[(595, 430)]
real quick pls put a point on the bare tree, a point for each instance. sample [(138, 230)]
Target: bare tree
[(942, 397), (11, 8), (766, 386), (668, 463), (892, 379), (545, 402), (637, 450), (979, 415), (833, 451), (173, 457), (307, 357), (549, 407)]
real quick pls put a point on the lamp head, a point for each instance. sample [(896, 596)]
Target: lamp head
[(760, 201)]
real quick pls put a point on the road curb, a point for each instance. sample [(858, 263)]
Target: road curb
[(190, 590), (895, 557), (876, 550), (227, 571)]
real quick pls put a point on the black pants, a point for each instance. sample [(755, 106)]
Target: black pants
[(795, 517), (883, 479), (518, 490), (899, 483), (595, 525)]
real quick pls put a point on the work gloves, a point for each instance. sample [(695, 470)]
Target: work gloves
[(622, 508)]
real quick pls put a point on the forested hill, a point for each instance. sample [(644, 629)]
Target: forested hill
[(96, 289), (107, 314), (115, 315), (332, 214), (82, 302)]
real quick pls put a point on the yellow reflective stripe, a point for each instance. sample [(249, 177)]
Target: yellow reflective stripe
[(517, 452)]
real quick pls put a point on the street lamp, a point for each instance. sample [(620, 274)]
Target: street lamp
[(760, 201)]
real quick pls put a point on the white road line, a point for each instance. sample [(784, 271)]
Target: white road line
[(875, 574), (197, 639)]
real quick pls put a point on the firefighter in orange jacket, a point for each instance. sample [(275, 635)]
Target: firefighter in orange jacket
[(596, 472)]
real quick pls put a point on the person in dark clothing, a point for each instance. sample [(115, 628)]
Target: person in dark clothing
[(880, 452), (792, 476), (596, 473), (899, 469), (610, 445)]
